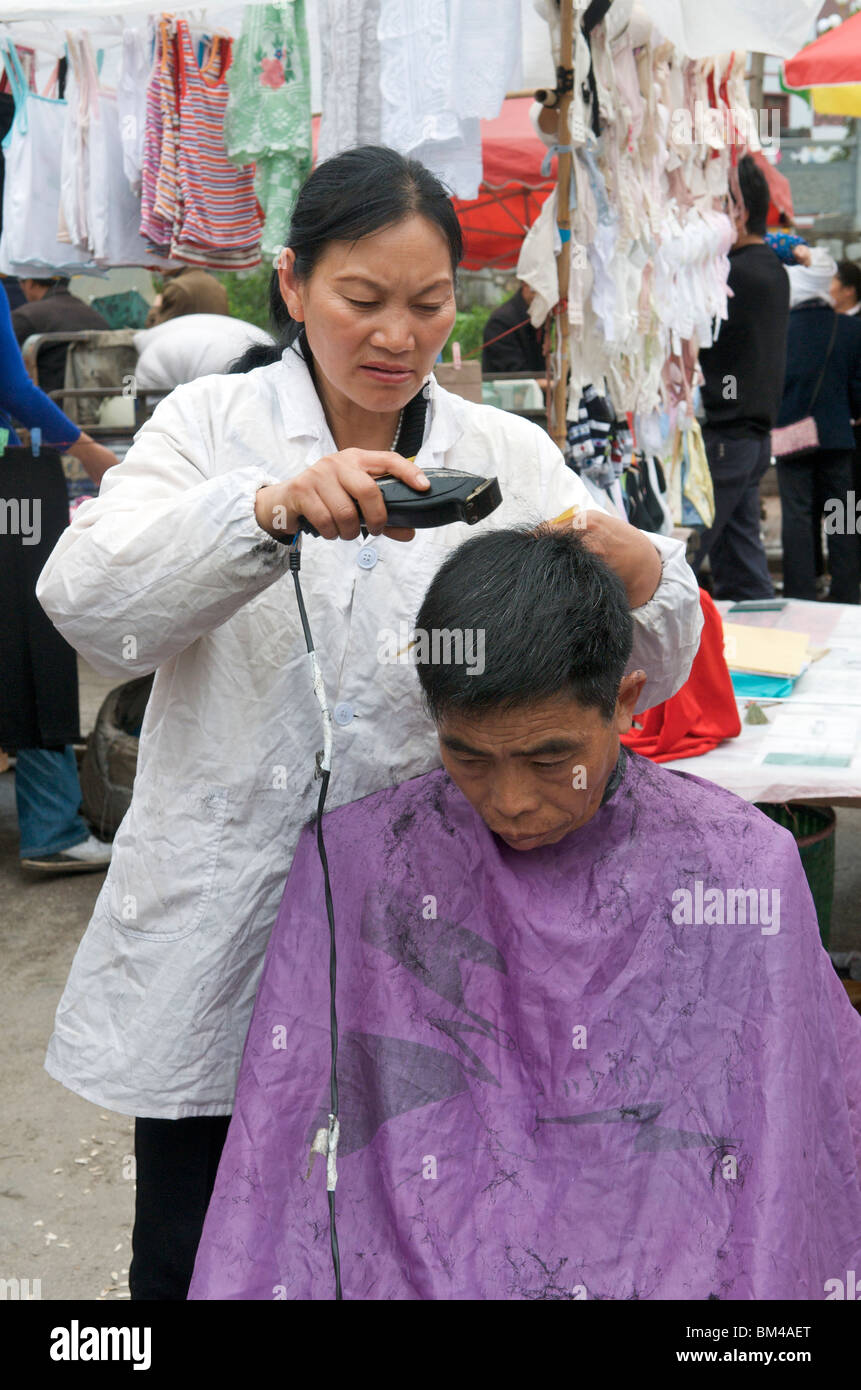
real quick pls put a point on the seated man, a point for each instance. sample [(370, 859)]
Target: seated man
[(51, 307), (590, 1043)]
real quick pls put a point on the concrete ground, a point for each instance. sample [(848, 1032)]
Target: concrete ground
[(66, 1178)]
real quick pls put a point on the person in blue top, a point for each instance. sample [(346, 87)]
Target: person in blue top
[(20, 398), (54, 838)]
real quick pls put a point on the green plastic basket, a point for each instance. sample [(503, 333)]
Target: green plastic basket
[(813, 828)]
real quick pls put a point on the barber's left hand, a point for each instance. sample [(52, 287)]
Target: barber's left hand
[(627, 550)]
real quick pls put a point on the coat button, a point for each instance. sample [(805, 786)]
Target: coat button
[(343, 713), (367, 557)]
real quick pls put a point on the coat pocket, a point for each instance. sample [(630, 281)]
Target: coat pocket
[(164, 863)]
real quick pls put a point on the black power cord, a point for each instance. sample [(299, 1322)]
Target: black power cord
[(333, 1027), (323, 759), (408, 442)]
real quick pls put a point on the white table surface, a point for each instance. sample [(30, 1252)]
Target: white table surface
[(822, 713)]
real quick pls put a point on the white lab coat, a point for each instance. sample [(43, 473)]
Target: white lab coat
[(168, 571)]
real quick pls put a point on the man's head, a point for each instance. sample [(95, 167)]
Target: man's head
[(755, 199), (845, 287), (37, 289), (532, 737)]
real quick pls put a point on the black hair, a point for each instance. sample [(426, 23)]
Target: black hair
[(51, 280), (347, 197), (555, 620), (754, 190), (849, 275)]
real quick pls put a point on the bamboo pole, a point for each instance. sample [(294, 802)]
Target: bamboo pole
[(563, 220), (755, 79)]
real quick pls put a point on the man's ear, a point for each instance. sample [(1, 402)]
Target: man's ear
[(289, 285), (626, 701)]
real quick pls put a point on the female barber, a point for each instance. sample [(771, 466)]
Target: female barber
[(179, 567)]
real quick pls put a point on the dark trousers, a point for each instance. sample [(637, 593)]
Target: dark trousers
[(736, 553), (806, 485), (856, 475), (176, 1162)]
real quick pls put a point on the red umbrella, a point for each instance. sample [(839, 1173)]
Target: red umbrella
[(511, 193), (833, 58)]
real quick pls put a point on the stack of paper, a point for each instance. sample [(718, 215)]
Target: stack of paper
[(765, 651)]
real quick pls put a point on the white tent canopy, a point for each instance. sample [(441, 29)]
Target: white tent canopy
[(700, 28), (697, 27)]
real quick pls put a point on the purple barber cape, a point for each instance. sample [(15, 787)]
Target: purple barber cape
[(621, 1066)]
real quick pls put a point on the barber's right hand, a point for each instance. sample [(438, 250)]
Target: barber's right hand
[(333, 492)]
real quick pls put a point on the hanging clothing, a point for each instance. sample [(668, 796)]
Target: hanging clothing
[(155, 227), (132, 88), (29, 246), (219, 211), (73, 218), (100, 211), (267, 120), (350, 63), (167, 202), (440, 72), (570, 1073), (117, 236), (27, 62)]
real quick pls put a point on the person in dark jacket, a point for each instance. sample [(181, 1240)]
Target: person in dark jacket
[(821, 344), (39, 690), (52, 308), (743, 380), (520, 350), (845, 292)]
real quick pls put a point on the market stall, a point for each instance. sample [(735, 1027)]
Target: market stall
[(181, 140)]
